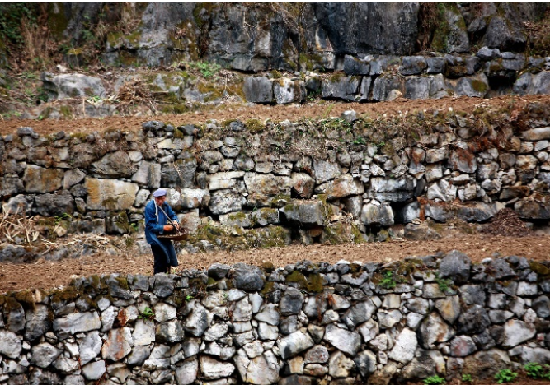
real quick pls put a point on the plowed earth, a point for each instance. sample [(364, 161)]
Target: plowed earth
[(500, 240)]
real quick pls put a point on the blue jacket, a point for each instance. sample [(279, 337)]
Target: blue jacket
[(155, 221)]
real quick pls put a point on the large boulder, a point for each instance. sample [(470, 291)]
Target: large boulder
[(56, 204), (344, 88), (70, 86), (289, 91), (486, 363), (258, 89), (42, 180), (434, 330), (294, 343), (110, 194), (376, 214), (386, 85), (119, 165), (262, 187), (382, 28), (348, 342)]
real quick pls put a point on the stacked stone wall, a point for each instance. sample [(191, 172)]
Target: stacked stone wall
[(236, 184), (307, 323)]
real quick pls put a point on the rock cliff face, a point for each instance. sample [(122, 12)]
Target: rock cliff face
[(303, 324), (265, 36), (385, 50)]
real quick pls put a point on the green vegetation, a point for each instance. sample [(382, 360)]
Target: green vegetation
[(467, 378), (62, 217), (147, 313), (207, 70), (444, 284), (537, 371), (505, 376), (434, 380), (388, 281), (12, 15)]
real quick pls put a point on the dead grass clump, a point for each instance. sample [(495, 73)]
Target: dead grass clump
[(134, 93)]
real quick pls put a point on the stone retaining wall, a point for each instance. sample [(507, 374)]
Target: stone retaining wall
[(375, 78), (307, 323), (238, 185)]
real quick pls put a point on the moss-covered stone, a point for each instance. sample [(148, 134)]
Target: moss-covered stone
[(543, 272), (479, 86), (268, 267), (267, 289), (315, 283), (254, 125), (68, 294), (297, 277)]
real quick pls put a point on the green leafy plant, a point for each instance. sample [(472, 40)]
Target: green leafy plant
[(147, 313), (10, 20), (467, 378), (434, 380), (535, 370), (388, 281), (134, 227), (505, 376), (62, 217), (189, 297), (359, 140), (444, 284), (207, 70)]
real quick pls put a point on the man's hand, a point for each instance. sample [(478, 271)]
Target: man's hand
[(177, 226), (168, 227)]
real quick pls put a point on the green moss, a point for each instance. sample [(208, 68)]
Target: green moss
[(96, 282), (211, 90), (65, 111), (123, 282), (69, 294), (440, 40), (280, 200), (57, 22), (315, 283), (273, 236), (479, 86), (179, 108), (542, 271), (268, 267), (25, 298), (268, 288), (297, 277), (9, 303), (337, 76), (208, 7), (238, 216), (254, 125)]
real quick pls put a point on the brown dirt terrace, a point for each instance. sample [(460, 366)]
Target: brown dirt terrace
[(503, 237), (277, 113)]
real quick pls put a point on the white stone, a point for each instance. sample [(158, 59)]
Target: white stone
[(405, 347)]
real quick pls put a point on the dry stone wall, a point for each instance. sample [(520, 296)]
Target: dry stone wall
[(237, 185), (375, 78), (303, 324)]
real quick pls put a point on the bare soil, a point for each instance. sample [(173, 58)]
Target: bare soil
[(45, 274), (318, 110)]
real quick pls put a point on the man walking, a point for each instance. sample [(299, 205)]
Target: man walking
[(160, 218)]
